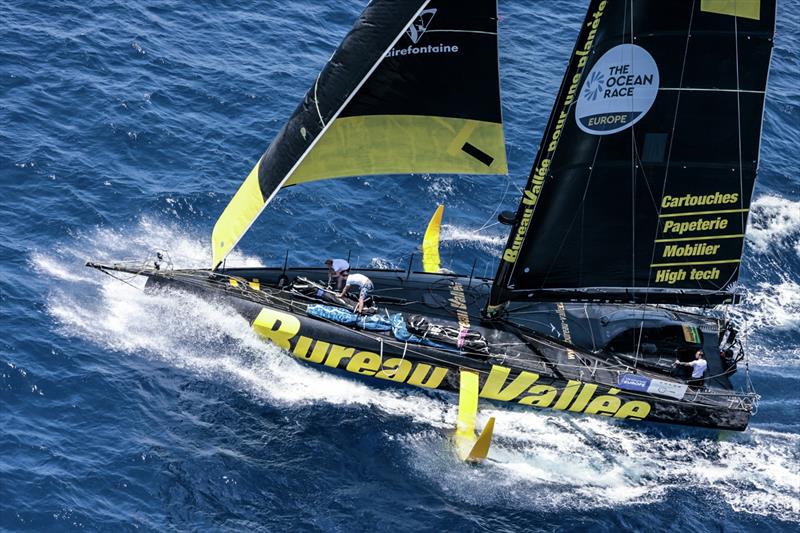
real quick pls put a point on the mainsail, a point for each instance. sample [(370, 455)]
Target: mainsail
[(413, 88), (642, 184)]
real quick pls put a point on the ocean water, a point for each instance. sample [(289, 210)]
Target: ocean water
[(126, 128)]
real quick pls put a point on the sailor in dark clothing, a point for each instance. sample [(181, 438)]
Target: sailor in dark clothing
[(728, 361)]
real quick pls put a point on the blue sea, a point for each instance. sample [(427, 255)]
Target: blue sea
[(125, 128)]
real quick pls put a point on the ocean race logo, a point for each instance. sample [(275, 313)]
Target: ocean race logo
[(618, 92), (415, 32)]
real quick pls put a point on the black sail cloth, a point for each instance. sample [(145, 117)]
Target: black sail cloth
[(644, 176)]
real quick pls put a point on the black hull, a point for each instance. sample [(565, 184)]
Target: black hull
[(521, 367)]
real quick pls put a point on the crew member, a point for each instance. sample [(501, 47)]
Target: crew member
[(728, 360), (338, 270), (364, 285), (699, 366)]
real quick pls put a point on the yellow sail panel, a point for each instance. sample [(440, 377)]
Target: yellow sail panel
[(240, 213), (430, 243), (750, 9), (404, 144)]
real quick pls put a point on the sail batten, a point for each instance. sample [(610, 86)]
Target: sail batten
[(389, 101), (644, 178), (689, 297)]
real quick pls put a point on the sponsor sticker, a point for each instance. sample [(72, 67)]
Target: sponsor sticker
[(415, 31), (667, 388), (638, 383), (618, 91), (420, 25), (633, 382)]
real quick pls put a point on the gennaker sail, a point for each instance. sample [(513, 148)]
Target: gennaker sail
[(642, 184), (413, 88)]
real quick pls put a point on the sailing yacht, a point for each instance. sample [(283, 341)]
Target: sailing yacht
[(623, 252)]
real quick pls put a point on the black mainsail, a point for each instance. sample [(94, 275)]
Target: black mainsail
[(414, 87), (642, 184)]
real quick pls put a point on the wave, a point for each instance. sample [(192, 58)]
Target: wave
[(771, 306), (463, 236), (439, 188), (774, 305), (137, 243), (547, 462), (774, 223)]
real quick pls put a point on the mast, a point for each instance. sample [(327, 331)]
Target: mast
[(642, 184)]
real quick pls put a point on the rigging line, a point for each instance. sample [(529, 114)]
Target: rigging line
[(400, 364), (589, 322), (122, 280), (640, 162), (500, 203), (633, 176), (633, 221), (520, 190), (730, 280), (580, 244), (491, 225), (633, 196)]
